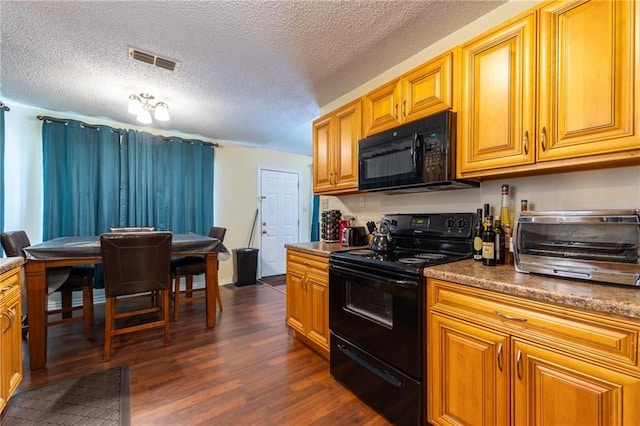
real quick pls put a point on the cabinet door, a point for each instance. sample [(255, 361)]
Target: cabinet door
[(297, 300), (348, 130), (11, 349), (467, 373), (497, 110), (555, 389), (322, 154), (318, 291), (428, 89), (587, 88), (382, 108)]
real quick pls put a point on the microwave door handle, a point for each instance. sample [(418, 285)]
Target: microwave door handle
[(414, 153)]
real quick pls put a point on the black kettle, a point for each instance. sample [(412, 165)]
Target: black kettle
[(382, 242)]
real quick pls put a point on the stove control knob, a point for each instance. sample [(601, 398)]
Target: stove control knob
[(449, 223), (462, 223)]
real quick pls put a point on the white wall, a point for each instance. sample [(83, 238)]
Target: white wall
[(235, 180), (616, 188)]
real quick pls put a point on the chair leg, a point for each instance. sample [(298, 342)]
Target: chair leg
[(218, 298), (176, 297), (87, 311), (165, 314), (189, 285), (66, 298), (92, 314), (108, 324)]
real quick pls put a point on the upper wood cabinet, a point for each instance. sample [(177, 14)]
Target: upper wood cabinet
[(588, 78), (335, 150), (425, 90), (563, 96), (497, 114)]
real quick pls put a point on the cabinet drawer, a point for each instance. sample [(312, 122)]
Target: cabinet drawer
[(603, 339), (305, 262), (9, 285)]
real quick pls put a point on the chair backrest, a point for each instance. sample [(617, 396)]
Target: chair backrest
[(135, 262), (217, 232), (133, 229), (14, 242)]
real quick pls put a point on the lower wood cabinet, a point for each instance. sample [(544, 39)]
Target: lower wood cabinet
[(308, 299), (494, 359), (10, 335)]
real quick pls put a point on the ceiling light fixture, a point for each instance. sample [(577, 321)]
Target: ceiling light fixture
[(141, 106)]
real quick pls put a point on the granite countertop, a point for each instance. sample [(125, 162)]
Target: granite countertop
[(319, 248), (8, 263), (612, 299)]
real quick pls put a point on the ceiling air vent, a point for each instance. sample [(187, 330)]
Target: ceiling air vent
[(152, 59)]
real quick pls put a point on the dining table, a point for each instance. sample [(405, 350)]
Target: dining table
[(71, 251)]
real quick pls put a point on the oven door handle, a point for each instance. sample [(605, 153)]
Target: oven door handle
[(405, 283), (383, 374)]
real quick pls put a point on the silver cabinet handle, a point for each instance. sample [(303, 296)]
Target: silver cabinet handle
[(11, 315), (525, 143), (518, 364), (500, 356), (404, 108), (543, 138), (395, 111), (507, 317)]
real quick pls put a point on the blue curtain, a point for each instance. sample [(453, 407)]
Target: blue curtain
[(80, 178), (96, 177), (166, 183), (315, 219)]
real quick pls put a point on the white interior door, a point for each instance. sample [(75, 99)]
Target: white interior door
[(279, 222)]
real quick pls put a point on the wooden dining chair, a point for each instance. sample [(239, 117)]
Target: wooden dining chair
[(65, 280), (135, 264), (189, 267)]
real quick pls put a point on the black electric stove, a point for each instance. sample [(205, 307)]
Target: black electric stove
[(377, 315), (419, 240)]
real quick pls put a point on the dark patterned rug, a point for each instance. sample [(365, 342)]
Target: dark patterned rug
[(100, 398)]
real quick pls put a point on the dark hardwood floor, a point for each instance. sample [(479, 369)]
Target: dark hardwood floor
[(246, 371)]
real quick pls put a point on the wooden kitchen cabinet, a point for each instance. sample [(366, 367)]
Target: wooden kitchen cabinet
[(335, 150), (308, 299), (423, 91), (497, 108), (503, 360), (560, 97), (10, 335)]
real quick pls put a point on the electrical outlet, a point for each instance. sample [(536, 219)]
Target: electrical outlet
[(362, 201), (324, 204)]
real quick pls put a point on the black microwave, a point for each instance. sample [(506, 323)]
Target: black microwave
[(416, 156)]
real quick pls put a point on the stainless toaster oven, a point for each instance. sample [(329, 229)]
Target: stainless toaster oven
[(594, 245)]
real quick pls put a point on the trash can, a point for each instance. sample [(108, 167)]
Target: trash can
[(245, 264)]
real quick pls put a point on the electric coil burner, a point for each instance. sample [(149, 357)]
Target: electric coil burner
[(376, 311)]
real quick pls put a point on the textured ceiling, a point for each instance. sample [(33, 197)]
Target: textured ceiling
[(250, 71)]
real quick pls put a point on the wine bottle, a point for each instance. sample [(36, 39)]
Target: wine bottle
[(486, 214), (499, 248), (488, 244), (505, 221), (477, 237)]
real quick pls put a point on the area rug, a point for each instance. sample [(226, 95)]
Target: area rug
[(100, 398), (275, 280)]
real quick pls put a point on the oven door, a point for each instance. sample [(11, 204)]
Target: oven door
[(378, 311)]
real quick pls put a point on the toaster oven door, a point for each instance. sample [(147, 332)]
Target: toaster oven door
[(592, 246)]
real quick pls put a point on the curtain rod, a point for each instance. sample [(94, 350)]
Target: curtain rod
[(214, 144), (4, 107), (58, 120)]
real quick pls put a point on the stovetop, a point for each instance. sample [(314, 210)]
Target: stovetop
[(420, 240)]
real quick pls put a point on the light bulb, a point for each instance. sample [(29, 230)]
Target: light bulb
[(162, 112), (144, 117), (134, 105)]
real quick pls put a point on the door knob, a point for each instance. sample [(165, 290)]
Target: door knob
[(264, 223), (264, 232)]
